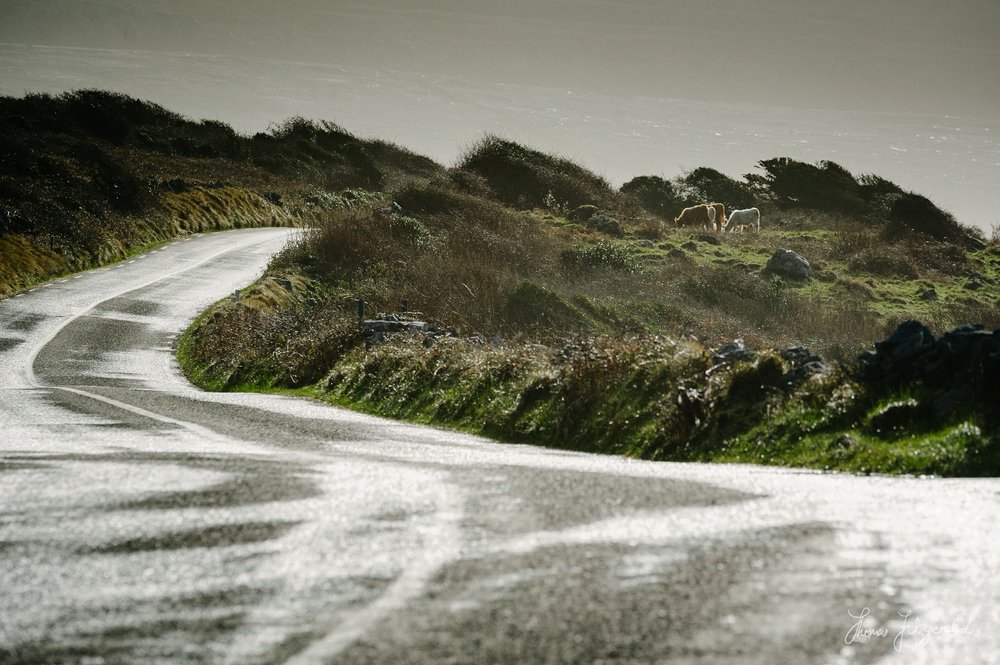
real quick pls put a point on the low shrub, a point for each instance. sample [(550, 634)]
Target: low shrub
[(522, 177), (655, 194), (912, 213), (535, 308), (602, 255), (825, 186), (704, 185)]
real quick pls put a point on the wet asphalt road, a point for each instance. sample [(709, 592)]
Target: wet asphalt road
[(145, 521)]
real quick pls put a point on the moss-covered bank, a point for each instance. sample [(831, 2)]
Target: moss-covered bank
[(647, 397)]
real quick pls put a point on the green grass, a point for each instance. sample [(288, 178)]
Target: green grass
[(624, 396)]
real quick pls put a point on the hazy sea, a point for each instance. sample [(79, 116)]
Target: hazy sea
[(954, 161)]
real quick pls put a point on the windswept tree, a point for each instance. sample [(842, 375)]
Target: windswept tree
[(705, 184), (824, 186), (655, 194)]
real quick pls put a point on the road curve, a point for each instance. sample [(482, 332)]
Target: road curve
[(143, 520)]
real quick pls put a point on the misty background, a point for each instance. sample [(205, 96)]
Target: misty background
[(907, 89)]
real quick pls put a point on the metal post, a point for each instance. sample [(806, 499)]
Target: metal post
[(361, 311), (406, 305)]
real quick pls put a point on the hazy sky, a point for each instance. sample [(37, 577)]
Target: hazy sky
[(907, 89), (919, 56)]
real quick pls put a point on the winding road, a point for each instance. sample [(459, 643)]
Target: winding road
[(145, 521)]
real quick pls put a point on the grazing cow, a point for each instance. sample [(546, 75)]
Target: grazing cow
[(701, 214), (743, 219), (720, 216)]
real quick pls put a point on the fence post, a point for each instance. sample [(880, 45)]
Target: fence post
[(361, 311)]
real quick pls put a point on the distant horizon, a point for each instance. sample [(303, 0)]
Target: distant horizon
[(953, 160)]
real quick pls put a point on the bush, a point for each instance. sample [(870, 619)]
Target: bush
[(328, 135), (825, 186), (111, 115), (655, 194), (601, 255), (531, 306), (912, 213), (522, 177), (407, 162), (876, 188), (124, 191), (708, 185)]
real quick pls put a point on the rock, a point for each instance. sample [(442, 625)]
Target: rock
[(962, 338), (605, 224), (910, 339), (732, 352), (582, 213), (273, 197), (826, 276), (612, 227), (394, 325), (787, 263), (690, 246), (813, 368), (709, 238), (955, 400), (677, 253), (805, 364), (797, 354), (955, 374), (928, 294), (958, 356), (974, 284)]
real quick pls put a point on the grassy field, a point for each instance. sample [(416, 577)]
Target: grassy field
[(546, 330), (556, 309)]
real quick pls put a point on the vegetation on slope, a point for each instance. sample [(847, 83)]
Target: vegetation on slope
[(560, 310), (90, 176), (545, 330)]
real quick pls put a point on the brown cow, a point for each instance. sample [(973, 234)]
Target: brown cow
[(720, 216), (701, 214)]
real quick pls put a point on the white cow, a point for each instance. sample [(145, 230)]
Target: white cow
[(743, 219)]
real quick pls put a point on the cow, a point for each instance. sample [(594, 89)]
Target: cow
[(743, 219), (700, 214), (720, 216)]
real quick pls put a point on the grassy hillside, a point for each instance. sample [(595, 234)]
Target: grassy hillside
[(546, 305), (89, 177), (549, 328)]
